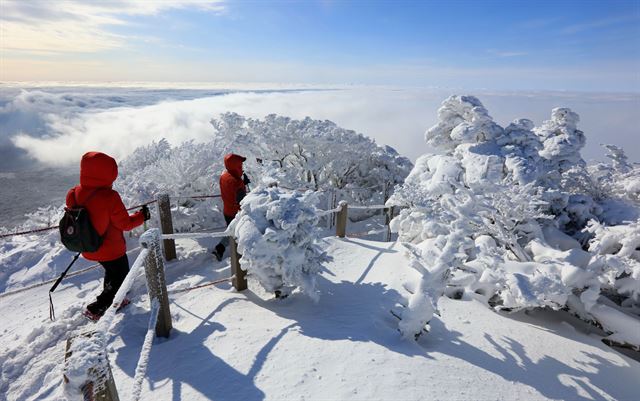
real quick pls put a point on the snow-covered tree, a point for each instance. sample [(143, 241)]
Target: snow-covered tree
[(619, 179), (484, 219), (297, 154), (278, 238), (315, 154)]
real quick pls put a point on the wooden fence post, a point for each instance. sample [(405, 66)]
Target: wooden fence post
[(156, 284), (341, 221), (100, 386), (166, 224), (239, 275), (388, 216)]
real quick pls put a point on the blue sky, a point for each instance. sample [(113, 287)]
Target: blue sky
[(559, 45)]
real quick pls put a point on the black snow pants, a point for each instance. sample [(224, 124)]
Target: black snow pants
[(115, 271)]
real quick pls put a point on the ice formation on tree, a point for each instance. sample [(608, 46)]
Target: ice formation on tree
[(619, 179), (488, 217), (561, 141), (278, 238), (314, 154), (307, 153)]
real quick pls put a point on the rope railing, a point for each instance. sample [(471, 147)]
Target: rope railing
[(322, 213), (49, 228), (209, 284), (368, 207), (367, 233), (179, 197), (76, 273), (196, 235)]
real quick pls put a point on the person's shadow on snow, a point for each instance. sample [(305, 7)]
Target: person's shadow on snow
[(185, 359)]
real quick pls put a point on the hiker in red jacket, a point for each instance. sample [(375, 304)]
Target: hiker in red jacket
[(110, 218), (233, 189)]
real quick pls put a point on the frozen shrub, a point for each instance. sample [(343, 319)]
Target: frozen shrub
[(278, 239)]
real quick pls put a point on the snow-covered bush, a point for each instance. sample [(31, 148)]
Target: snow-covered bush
[(315, 154), (617, 186), (278, 238), (485, 218), (307, 154)]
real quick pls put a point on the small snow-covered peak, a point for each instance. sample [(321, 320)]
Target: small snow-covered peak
[(462, 119), (618, 157), (561, 137)]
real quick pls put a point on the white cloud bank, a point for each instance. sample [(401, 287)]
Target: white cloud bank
[(397, 118)]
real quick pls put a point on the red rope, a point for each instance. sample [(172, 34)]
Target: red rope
[(76, 273), (39, 230), (201, 285), (200, 196), (29, 232), (143, 204)]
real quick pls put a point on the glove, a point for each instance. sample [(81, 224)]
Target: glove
[(245, 179), (145, 212)]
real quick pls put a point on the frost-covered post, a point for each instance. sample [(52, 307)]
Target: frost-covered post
[(388, 213), (156, 285), (341, 223), (100, 385), (330, 200), (166, 224), (239, 275)]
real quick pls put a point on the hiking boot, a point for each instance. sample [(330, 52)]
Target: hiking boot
[(96, 309), (124, 303), (219, 252), (91, 316)]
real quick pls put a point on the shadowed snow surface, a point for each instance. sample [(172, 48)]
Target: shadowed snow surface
[(249, 346)]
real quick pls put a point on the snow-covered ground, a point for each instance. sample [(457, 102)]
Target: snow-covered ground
[(227, 345)]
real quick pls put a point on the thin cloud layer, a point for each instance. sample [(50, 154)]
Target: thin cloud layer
[(44, 27), (397, 118)]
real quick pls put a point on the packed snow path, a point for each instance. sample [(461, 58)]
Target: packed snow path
[(249, 346)]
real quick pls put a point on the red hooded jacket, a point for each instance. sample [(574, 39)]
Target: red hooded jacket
[(232, 187), (107, 212)]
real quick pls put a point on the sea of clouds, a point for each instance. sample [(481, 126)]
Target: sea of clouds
[(48, 128)]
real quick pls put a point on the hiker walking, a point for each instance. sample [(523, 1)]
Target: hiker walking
[(233, 188), (109, 218)]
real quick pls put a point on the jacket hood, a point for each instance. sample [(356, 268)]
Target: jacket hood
[(233, 164), (97, 170)]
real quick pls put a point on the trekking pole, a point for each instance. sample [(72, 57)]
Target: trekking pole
[(52, 314)]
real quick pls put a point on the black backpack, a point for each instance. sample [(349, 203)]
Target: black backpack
[(76, 231)]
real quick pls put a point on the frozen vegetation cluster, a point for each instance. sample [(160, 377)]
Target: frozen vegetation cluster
[(295, 154), (513, 216), (278, 238), (301, 154)]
